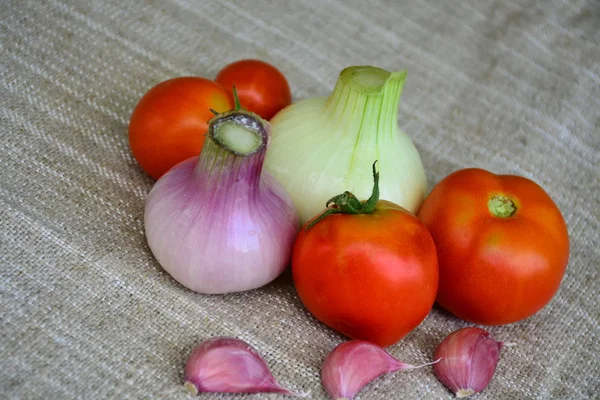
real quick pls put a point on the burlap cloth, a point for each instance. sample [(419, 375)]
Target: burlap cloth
[(87, 312)]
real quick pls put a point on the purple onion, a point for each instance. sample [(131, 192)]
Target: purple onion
[(218, 223)]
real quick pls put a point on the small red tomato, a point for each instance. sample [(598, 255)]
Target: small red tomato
[(170, 121), (261, 87), (502, 245), (370, 276)]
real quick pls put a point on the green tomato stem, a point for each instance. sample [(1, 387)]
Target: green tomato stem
[(236, 99), (347, 203), (501, 206)]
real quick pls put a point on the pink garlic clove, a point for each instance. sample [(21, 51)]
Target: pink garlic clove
[(468, 361), (229, 365), (353, 364)]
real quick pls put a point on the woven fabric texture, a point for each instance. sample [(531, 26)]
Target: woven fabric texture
[(86, 311)]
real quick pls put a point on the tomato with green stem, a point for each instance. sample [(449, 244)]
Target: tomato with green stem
[(366, 269), (502, 244)]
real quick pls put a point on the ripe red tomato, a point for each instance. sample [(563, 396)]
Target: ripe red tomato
[(502, 245), (368, 276), (260, 86), (169, 123)]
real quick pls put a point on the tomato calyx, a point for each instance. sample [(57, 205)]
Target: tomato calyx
[(348, 203), (501, 206), (236, 99)]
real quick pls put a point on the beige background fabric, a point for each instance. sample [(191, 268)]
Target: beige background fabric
[(87, 313)]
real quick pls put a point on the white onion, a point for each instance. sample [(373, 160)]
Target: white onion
[(324, 146)]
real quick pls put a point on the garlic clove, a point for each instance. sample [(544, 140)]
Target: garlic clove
[(353, 364), (229, 365), (469, 357)]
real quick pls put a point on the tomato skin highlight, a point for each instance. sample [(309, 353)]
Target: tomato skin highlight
[(170, 121), (495, 270), (369, 276), (260, 86)]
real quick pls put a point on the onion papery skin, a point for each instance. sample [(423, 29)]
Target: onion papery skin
[(218, 223)]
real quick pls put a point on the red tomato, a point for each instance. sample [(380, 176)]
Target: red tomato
[(502, 245), (368, 276), (261, 87), (169, 123)]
